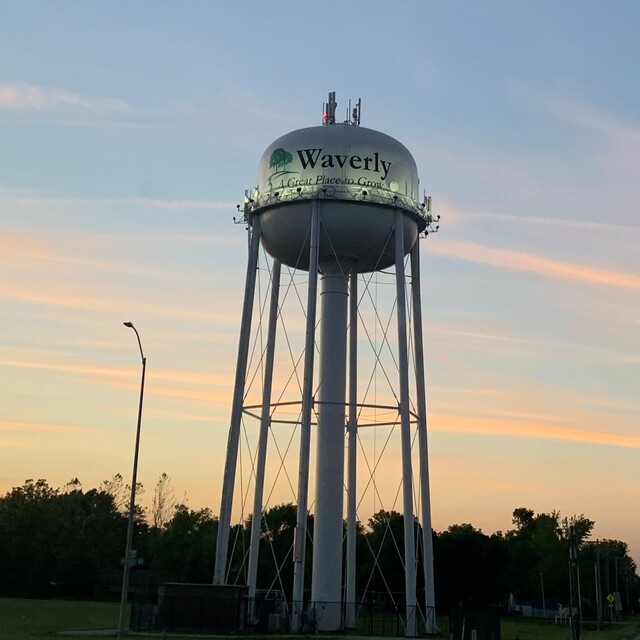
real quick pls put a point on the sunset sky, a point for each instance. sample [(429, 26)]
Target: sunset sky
[(128, 134)]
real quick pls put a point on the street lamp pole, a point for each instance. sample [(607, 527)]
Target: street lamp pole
[(128, 555)]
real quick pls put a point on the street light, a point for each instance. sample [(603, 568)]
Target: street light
[(129, 558)]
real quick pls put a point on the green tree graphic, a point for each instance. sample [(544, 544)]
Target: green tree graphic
[(280, 159)]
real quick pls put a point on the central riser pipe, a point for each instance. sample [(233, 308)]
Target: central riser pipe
[(326, 580)]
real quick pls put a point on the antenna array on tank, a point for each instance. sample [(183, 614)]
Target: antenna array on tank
[(353, 115), (329, 111)]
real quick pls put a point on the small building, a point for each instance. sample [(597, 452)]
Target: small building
[(200, 607)]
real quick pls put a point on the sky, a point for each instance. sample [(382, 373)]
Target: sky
[(128, 134)]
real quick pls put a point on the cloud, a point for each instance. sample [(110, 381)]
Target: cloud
[(605, 124), (467, 339), (109, 304), (21, 197), (22, 96), (34, 252), (618, 149), (450, 423), (211, 388), (18, 426), (522, 261), (30, 249), (541, 221)]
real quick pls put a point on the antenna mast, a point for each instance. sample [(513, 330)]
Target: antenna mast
[(329, 110)]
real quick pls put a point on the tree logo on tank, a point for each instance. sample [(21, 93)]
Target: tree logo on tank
[(279, 160)]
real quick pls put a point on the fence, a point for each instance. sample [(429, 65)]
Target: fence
[(203, 608)]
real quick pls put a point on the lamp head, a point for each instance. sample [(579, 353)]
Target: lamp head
[(128, 324)]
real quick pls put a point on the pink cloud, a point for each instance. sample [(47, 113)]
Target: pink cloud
[(22, 96), (14, 426), (450, 423), (521, 261), (108, 303), (214, 389)]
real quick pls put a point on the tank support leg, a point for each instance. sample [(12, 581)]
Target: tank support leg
[(300, 535), (265, 423), (405, 433), (228, 482)]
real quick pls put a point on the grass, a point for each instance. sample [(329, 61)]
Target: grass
[(38, 619), (22, 619), (523, 629)]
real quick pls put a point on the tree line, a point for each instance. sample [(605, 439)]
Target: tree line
[(68, 542)]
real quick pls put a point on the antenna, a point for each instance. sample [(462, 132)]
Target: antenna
[(355, 114), (329, 109)]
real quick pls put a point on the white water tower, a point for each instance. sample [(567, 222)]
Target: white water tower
[(335, 201)]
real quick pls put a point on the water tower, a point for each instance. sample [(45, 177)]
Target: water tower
[(335, 201)]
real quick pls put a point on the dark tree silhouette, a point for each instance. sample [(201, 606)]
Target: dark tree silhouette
[(58, 543), (275, 563), (184, 548), (469, 568), (68, 542), (163, 503)]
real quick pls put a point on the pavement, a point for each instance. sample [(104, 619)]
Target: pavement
[(90, 632)]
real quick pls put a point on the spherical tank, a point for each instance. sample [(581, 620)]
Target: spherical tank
[(359, 179)]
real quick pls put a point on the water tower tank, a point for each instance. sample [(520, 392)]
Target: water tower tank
[(358, 176)]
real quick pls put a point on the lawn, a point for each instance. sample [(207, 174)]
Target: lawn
[(38, 619), (21, 619), (522, 629)]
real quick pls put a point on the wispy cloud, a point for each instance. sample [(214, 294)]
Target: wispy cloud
[(579, 114), (22, 197), (522, 261), (92, 303), (539, 430), (618, 148), (32, 249), (489, 340), (211, 388), (22, 96), (541, 221), (19, 426)]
